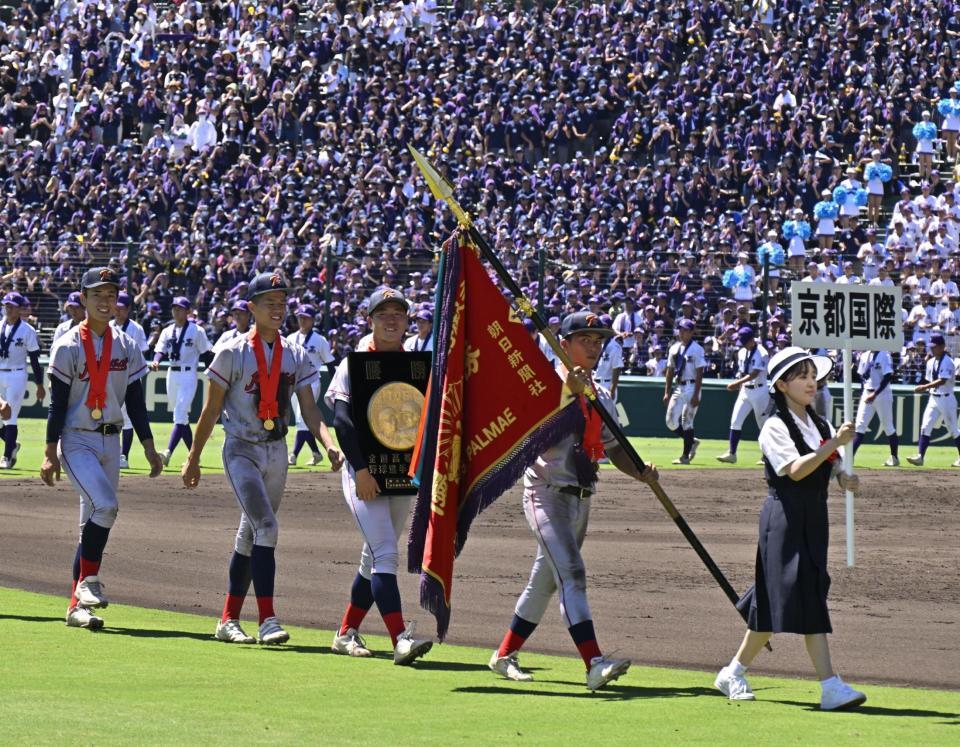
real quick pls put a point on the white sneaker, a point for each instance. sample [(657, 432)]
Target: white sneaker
[(734, 686), (5, 463), (408, 648), (231, 632), (682, 460), (839, 696), (693, 448), (316, 459), (292, 459), (509, 666), (165, 457), (124, 462), (604, 670), (916, 460), (89, 593), (81, 617), (727, 457), (271, 634), (349, 644), (892, 461), (957, 463)]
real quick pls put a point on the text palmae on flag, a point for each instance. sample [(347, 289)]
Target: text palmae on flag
[(495, 403)]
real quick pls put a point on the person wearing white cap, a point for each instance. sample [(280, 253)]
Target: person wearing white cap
[(939, 380), (925, 133), (801, 453), (849, 207)]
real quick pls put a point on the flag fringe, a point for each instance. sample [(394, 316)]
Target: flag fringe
[(433, 599)]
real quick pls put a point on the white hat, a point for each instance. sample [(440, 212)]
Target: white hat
[(785, 359)]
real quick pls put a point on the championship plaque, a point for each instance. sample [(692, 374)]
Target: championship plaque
[(387, 398)]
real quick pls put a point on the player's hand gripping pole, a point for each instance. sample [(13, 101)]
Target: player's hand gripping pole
[(442, 189)]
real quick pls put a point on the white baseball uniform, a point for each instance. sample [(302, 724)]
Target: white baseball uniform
[(753, 395), (318, 351), (873, 366), (942, 402), (17, 341), (685, 361), (610, 360), (183, 346), (134, 331), (415, 344)]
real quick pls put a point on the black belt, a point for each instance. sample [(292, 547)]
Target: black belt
[(752, 386), (576, 490), (5, 370), (688, 381), (944, 394), (181, 368), (107, 429)]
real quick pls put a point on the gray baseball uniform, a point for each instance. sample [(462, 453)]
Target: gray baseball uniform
[(135, 332)]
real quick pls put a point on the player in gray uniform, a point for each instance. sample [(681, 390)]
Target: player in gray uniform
[(685, 364), (751, 382), (92, 373), (75, 314), (241, 325), (876, 374), (123, 323), (380, 518), (556, 502), (250, 382), (939, 382), (318, 350), (183, 342), (18, 341)]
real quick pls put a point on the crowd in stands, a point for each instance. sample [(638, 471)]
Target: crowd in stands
[(642, 158)]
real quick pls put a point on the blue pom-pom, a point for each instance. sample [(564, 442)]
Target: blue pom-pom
[(945, 107), (886, 172), (878, 171), (728, 279), (861, 197), (825, 210), (925, 131), (956, 86), (789, 229), (840, 194), (803, 229)]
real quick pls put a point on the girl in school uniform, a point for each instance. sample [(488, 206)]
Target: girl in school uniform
[(801, 452)]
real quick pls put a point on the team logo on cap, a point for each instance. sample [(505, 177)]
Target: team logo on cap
[(106, 274), (389, 293), (276, 280), (592, 320)]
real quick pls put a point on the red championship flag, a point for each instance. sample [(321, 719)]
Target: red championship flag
[(495, 404)]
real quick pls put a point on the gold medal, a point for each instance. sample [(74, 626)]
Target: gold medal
[(268, 424), (96, 413), (394, 415)]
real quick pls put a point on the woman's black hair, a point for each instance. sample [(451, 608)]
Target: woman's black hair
[(783, 410)]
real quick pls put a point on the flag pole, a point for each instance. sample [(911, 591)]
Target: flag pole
[(442, 189)]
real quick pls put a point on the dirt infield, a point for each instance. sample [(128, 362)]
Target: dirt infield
[(896, 615)]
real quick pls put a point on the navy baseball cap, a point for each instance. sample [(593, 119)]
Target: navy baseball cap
[(123, 299), (583, 321), (267, 282), (12, 299), (386, 295), (745, 333), (182, 301), (687, 324), (73, 299), (239, 305), (306, 310), (937, 339), (97, 276), (425, 315)]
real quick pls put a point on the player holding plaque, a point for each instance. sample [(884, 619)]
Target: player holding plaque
[(377, 397)]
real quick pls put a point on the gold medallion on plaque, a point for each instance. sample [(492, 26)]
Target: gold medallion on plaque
[(394, 415)]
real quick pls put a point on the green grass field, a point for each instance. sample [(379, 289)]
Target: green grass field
[(159, 677), (660, 451)]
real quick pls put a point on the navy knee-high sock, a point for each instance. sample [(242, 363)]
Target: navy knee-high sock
[(10, 438), (895, 445), (687, 441), (956, 442), (298, 442), (187, 437), (361, 600), (857, 440), (263, 569), (238, 584), (922, 444), (734, 440), (93, 540), (126, 441), (586, 641), (386, 594), (175, 436), (311, 441)]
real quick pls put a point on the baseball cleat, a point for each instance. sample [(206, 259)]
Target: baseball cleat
[(693, 448), (317, 459), (734, 686), (957, 463), (727, 457), (231, 632), (124, 462), (509, 666), (89, 593), (916, 460), (349, 644), (839, 696), (892, 461), (81, 617), (604, 670), (5, 463), (682, 460), (271, 634), (408, 648), (165, 457), (13, 456), (292, 459)]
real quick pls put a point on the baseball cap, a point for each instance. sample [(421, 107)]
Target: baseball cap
[(425, 315), (386, 295), (123, 299), (73, 299), (267, 282), (182, 301), (789, 357), (583, 321), (12, 299), (306, 310), (937, 339), (745, 333), (687, 324), (97, 276), (239, 305)]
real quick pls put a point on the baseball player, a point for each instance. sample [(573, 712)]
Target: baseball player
[(556, 503), (183, 342), (752, 386), (18, 341), (379, 518), (685, 364), (876, 372), (423, 340), (318, 351), (940, 374), (250, 382), (610, 367), (92, 373), (241, 325), (123, 323), (75, 314)]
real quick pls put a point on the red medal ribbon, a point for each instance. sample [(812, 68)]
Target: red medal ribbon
[(592, 433), (269, 382), (97, 369)]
